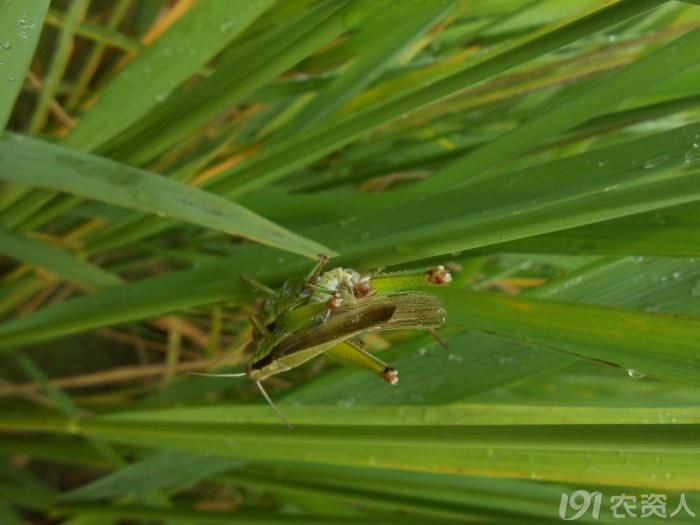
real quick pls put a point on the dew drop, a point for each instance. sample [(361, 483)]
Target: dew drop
[(653, 163), (347, 402), (695, 292), (227, 25), (347, 221), (23, 23), (691, 156), (635, 374)]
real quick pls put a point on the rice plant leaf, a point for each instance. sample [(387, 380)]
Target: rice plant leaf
[(424, 494), (662, 345), (611, 454), (664, 63), (58, 449), (409, 416), (240, 73), (605, 175), (211, 283), (55, 260), (20, 27), (604, 184), (201, 33), (160, 470), (96, 32), (386, 46), (59, 62), (669, 232), (28, 161), (282, 160), (440, 496), (193, 515)]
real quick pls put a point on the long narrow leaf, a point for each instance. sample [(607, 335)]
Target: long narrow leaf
[(20, 27), (55, 260), (43, 165), (596, 454), (203, 31), (662, 345), (665, 63)]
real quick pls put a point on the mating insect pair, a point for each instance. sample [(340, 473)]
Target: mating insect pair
[(325, 312)]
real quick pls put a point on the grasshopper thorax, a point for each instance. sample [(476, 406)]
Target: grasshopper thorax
[(339, 285)]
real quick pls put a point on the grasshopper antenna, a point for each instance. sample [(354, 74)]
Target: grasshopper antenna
[(272, 405), (221, 359), (240, 374)]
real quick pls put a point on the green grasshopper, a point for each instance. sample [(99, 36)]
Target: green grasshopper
[(325, 312)]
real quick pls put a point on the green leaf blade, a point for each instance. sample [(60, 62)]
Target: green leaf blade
[(203, 31), (40, 164)]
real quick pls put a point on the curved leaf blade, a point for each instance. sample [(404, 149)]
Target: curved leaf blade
[(36, 163)]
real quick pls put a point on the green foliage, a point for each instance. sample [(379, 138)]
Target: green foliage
[(547, 152)]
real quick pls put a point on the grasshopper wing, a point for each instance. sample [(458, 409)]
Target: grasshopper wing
[(310, 342), (380, 312), (412, 310)]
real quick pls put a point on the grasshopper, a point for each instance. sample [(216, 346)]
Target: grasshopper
[(325, 312)]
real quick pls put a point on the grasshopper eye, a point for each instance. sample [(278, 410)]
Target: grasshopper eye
[(362, 289), (390, 375), (439, 275)]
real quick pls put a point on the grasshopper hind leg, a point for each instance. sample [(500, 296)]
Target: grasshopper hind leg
[(272, 405), (352, 352)]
